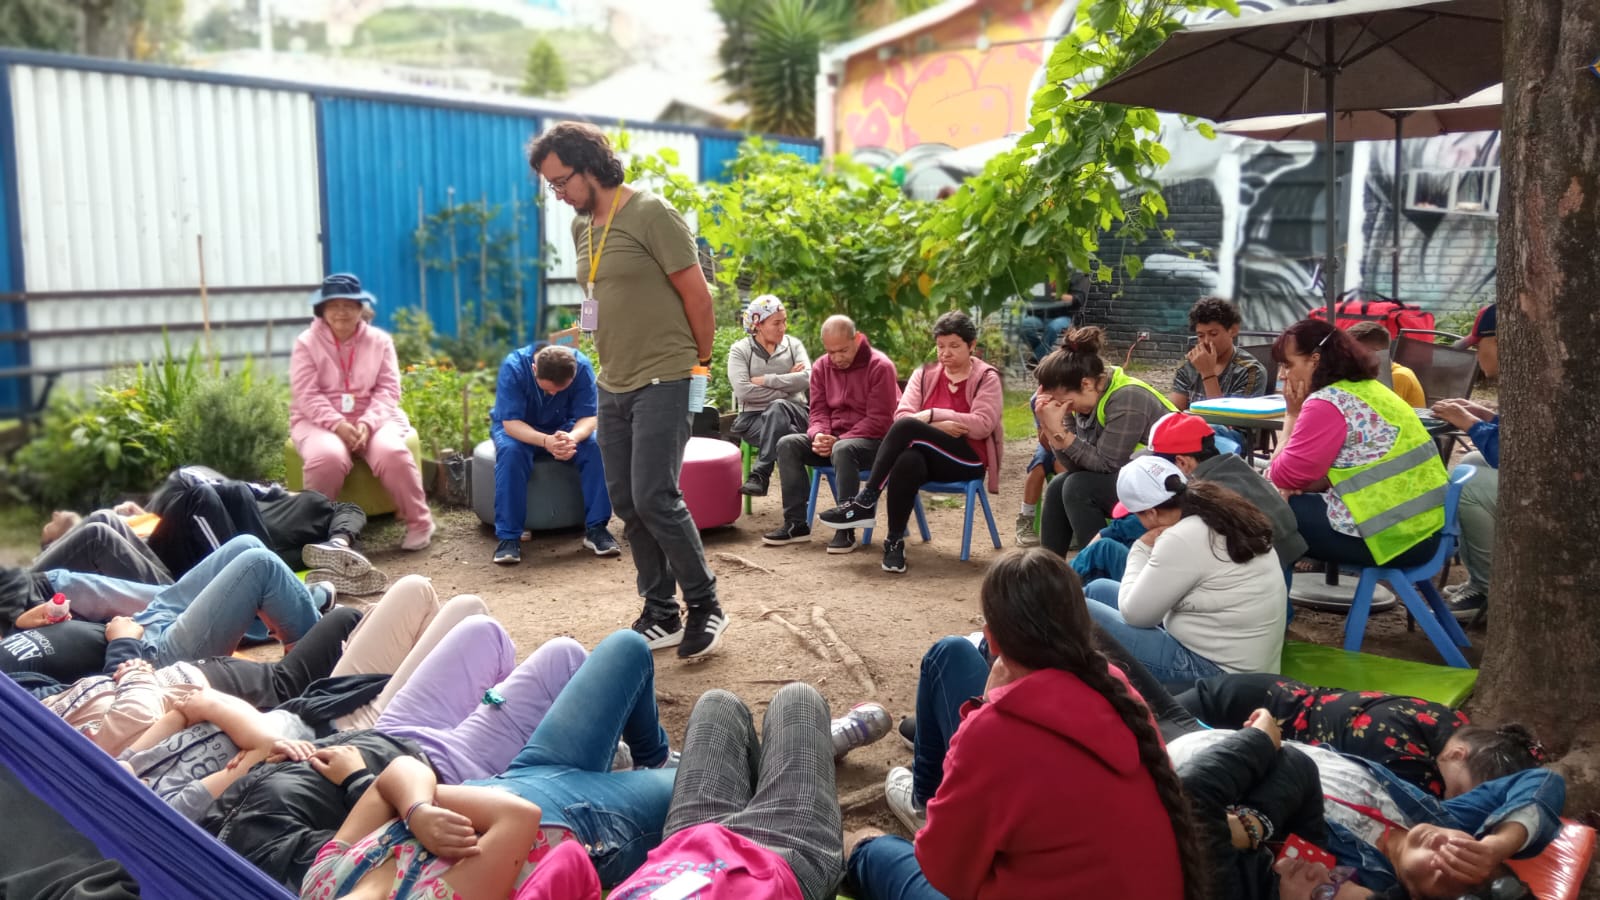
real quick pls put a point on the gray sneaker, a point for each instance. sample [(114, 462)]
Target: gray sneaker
[(334, 556), (372, 581), (1027, 535), (864, 724)]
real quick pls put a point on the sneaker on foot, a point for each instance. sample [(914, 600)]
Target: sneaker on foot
[(908, 731), (363, 584), (323, 594), (601, 542), (336, 556), (894, 555), (527, 535), (755, 485), (418, 537), (864, 724), (671, 762), (788, 533), (844, 541), (849, 514), (897, 793), (1468, 606), (702, 631), (660, 630), (1027, 535), (622, 759), (507, 553)]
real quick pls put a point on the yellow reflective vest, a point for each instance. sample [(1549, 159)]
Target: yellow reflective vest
[(1120, 380), (1396, 501)]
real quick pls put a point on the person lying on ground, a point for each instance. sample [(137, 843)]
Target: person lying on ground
[(101, 543), (1202, 592), (750, 819), (1427, 745), (204, 614), (1051, 698), (412, 838)]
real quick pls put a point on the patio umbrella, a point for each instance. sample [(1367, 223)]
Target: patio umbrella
[(1379, 54), (1479, 112)]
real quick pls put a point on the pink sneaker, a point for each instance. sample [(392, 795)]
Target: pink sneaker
[(418, 537)]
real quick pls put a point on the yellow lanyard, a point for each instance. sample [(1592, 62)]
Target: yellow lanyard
[(594, 254)]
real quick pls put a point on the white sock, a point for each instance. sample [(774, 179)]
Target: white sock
[(1028, 509)]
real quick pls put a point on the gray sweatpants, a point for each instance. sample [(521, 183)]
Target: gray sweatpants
[(778, 792)]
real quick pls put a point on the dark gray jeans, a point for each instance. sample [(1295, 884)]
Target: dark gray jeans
[(764, 428), (1075, 508), (850, 458), (642, 435), (778, 792), (103, 544)]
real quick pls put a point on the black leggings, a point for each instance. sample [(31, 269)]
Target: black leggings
[(912, 454), (266, 685)]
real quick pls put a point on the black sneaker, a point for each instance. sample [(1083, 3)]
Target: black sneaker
[(1468, 606), (789, 533), (844, 541), (908, 731), (848, 514), (755, 485), (702, 632), (894, 555), (660, 630), (601, 542), (508, 553)]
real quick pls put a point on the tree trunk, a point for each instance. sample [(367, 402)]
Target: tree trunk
[(1542, 666)]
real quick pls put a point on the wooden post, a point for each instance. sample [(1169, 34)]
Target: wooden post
[(205, 299)]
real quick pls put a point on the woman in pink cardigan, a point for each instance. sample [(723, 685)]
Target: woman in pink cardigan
[(947, 428), (346, 385)]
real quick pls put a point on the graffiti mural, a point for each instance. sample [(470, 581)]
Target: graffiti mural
[(1248, 217)]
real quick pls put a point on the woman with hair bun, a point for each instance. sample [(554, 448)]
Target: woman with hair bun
[(1111, 411), (1203, 592)]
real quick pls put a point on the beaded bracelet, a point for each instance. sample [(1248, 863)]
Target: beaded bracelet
[(406, 821)]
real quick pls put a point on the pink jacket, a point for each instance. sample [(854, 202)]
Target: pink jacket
[(318, 373), (986, 398)]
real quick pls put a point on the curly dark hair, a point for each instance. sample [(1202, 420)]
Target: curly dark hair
[(1077, 358), (1035, 609), (583, 147), (1210, 311), (957, 323), (1339, 357)]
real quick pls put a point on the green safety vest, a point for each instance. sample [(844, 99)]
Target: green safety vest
[(1120, 380), (1397, 502)]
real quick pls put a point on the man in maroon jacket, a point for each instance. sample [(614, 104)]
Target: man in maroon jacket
[(854, 389)]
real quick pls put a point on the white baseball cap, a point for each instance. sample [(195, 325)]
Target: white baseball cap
[(1142, 483)]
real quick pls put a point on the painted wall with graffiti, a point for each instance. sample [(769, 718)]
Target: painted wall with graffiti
[(1248, 217)]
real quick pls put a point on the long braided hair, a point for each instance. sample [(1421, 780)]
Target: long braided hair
[(1034, 607)]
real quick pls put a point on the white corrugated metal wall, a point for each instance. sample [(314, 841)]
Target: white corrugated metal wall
[(117, 174)]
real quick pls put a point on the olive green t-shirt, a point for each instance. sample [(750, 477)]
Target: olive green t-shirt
[(643, 333)]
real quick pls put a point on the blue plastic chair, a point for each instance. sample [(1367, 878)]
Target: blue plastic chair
[(820, 472), (974, 489), (1414, 586)]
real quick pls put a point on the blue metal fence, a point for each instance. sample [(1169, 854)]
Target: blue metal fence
[(717, 150), (14, 392), (384, 164)]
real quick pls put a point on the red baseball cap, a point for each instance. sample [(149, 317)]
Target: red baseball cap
[(1179, 433)]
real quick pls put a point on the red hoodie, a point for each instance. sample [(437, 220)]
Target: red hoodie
[(857, 402), (1044, 796)]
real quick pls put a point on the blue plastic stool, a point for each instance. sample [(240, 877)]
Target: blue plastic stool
[(1414, 587)]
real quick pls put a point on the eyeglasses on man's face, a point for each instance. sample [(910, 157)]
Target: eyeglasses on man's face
[(559, 185)]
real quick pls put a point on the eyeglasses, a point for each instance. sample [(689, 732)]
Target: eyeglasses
[(559, 185)]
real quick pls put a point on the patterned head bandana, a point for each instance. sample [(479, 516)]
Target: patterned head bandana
[(761, 309)]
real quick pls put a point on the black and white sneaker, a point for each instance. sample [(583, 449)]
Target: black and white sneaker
[(788, 533), (335, 556), (894, 555), (660, 631), (1468, 606), (849, 514), (702, 632), (507, 553), (323, 594), (844, 541), (908, 732)]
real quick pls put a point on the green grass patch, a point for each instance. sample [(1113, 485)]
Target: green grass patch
[(19, 529), (1017, 418)]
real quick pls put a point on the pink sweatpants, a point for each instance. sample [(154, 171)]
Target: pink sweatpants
[(327, 461)]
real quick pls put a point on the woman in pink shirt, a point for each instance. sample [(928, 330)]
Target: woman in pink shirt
[(345, 381)]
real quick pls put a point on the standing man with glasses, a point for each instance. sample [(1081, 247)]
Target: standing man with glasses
[(649, 307)]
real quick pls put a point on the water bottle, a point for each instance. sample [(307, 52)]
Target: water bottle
[(699, 377), (57, 610)]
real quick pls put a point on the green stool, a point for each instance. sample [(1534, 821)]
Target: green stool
[(747, 458), (361, 487)]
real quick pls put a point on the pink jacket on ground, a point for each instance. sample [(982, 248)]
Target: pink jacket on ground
[(857, 402), (318, 371), (985, 397)]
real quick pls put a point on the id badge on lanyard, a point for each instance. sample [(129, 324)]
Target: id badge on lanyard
[(589, 311)]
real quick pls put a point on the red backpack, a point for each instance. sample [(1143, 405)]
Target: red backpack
[(1392, 313)]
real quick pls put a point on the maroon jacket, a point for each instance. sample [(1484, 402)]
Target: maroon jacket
[(857, 402)]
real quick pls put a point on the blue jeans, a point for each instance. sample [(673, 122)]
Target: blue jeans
[(565, 767), (1104, 558), (1175, 665), (642, 437), (211, 607), (886, 868), (1042, 335), (1327, 545), (953, 672), (513, 464)]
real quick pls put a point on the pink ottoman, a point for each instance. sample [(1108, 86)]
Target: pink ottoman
[(710, 481)]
